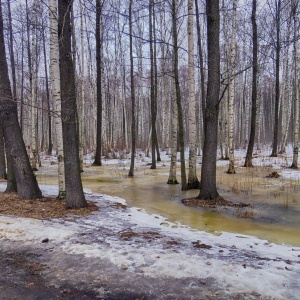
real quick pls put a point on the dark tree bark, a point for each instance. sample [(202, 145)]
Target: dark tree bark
[(248, 160), (11, 52), (208, 172), (26, 181), (11, 178), (74, 191), (3, 174), (98, 154), (152, 90), (132, 95), (178, 97), (277, 83), (155, 81)]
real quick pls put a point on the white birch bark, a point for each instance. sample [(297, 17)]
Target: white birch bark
[(200, 114), (141, 99), (192, 177), (296, 99), (174, 125), (288, 108), (55, 84), (221, 117), (285, 99), (247, 116), (259, 119), (231, 169)]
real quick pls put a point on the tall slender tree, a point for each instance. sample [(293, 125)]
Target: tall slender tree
[(277, 79), (296, 83), (97, 161), (152, 88), (178, 95), (56, 94), (248, 160), (132, 93), (231, 90), (193, 182), (26, 182), (74, 191), (208, 172)]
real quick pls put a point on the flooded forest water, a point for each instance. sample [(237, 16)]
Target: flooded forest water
[(275, 215)]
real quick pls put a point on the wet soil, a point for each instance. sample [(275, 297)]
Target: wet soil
[(22, 278), (44, 273)]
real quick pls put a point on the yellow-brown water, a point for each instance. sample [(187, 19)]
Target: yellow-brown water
[(276, 213)]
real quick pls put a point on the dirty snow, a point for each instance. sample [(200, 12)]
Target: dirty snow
[(238, 263)]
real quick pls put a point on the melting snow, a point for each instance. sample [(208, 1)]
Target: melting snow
[(237, 262)]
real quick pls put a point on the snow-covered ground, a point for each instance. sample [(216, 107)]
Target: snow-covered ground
[(148, 247)]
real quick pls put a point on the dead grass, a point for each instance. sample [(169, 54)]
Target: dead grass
[(43, 208), (212, 203)]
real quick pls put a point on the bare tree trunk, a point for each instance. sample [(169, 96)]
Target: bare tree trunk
[(153, 112), (296, 101), (11, 52), (200, 53), (174, 125), (208, 172), (277, 84), (11, 177), (193, 182), (26, 181), (3, 174), (131, 171), (74, 191), (155, 81), (56, 94), (248, 160), (34, 68), (178, 96), (231, 168), (82, 102), (286, 99), (49, 151), (98, 154)]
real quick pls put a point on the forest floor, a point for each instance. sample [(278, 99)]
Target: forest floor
[(113, 250), (121, 252)]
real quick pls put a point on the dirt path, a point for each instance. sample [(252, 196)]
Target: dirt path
[(43, 273)]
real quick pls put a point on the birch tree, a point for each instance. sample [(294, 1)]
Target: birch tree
[(56, 94), (231, 89), (193, 182), (174, 125), (296, 83)]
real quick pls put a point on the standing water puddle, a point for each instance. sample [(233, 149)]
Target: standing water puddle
[(276, 202)]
